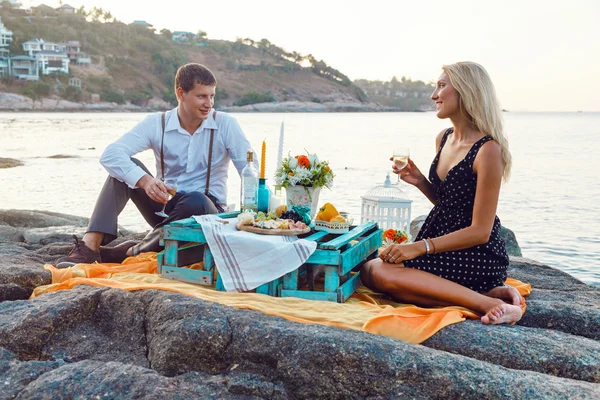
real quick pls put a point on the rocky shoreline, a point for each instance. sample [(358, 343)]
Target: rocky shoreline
[(10, 102), (102, 342)]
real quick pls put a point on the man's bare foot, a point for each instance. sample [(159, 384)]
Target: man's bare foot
[(502, 314), (507, 293)]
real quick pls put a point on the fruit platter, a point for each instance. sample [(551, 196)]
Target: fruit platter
[(328, 219), (288, 223)]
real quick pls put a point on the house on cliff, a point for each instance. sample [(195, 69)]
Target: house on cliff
[(6, 38)]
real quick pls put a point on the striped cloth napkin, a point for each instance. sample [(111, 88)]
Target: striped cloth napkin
[(247, 260)]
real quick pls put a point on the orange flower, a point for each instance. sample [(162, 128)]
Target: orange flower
[(401, 239), (303, 161), (390, 234), (327, 169)]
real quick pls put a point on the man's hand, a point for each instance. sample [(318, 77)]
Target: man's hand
[(154, 188)]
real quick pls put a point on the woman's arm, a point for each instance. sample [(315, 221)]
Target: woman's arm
[(413, 176), (488, 167)]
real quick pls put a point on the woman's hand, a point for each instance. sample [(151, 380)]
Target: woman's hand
[(396, 253), (410, 173)]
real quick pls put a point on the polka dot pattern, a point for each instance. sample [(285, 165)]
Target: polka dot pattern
[(480, 267)]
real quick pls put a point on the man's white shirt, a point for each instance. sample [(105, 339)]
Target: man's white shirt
[(185, 155)]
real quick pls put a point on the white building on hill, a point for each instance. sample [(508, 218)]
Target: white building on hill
[(6, 37), (51, 57)]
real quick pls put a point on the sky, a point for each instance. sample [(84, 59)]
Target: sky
[(541, 55)]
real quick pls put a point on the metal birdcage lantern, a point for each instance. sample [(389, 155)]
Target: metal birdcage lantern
[(387, 205)]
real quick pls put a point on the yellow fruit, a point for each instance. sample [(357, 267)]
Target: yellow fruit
[(327, 212), (338, 218), (280, 210)]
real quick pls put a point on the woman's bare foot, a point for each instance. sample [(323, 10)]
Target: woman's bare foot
[(502, 314), (507, 293)]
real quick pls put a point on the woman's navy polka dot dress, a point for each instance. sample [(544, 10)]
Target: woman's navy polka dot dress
[(481, 267)]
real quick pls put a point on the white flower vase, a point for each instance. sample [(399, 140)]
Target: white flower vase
[(306, 196)]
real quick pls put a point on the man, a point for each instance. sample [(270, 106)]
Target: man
[(183, 156)]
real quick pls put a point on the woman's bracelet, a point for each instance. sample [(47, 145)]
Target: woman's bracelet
[(432, 245), (427, 249)]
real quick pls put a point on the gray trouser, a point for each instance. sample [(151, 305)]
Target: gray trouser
[(115, 195)]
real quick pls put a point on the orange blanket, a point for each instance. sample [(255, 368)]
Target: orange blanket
[(365, 310)]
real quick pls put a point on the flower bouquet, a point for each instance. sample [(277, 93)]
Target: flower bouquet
[(304, 171), (303, 177), (393, 236)]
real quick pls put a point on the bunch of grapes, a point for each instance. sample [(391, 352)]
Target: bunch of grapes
[(293, 215)]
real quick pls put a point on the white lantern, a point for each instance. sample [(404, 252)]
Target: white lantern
[(387, 205)]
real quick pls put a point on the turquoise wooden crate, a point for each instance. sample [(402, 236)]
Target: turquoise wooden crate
[(335, 257)]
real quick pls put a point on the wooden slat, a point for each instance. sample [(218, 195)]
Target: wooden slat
[(329, 257), (309, 295), (184, 234), (183, 222), (159, 260), (209, 260), (170, 257), (187, 275), (316, 236), (219, 285), (332, 279), (360, 252), (347, 237), (348, 288), (290, 280)]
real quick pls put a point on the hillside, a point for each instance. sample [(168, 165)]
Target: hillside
[(133, 64)]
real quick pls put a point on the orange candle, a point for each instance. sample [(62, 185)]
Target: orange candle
[(262, 160)]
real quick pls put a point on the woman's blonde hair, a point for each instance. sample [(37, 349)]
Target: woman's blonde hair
[(478, 100)]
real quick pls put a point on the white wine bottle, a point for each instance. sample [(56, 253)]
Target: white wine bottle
[(249, 195)]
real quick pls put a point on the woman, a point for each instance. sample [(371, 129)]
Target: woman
[(458, 257)]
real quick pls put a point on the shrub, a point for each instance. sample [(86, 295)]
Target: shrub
[(72, 93), (35, 90), (114, 97), (253, 98)]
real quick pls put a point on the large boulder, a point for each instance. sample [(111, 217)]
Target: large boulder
[(100, 342)]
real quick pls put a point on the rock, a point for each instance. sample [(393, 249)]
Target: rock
[(11, 234), (39, 219), (510, 240), (113, 380), (249, 353), (61, 156), (9, 163), (53, 234), (541, 276), (11, 291), (101, 342), (15, 102), (523, 348), (416, 224), (24, 270)]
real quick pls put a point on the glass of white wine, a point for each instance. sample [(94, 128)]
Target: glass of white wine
[(171, 191), (400, 158)]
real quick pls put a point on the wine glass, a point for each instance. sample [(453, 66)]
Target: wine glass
[(400, 158), (171, 191)]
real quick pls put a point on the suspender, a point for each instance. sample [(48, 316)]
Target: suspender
[(210, 148)]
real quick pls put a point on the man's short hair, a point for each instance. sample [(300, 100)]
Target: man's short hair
[(189, 74)]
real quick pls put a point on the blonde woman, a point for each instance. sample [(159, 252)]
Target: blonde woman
[(458, 257)]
